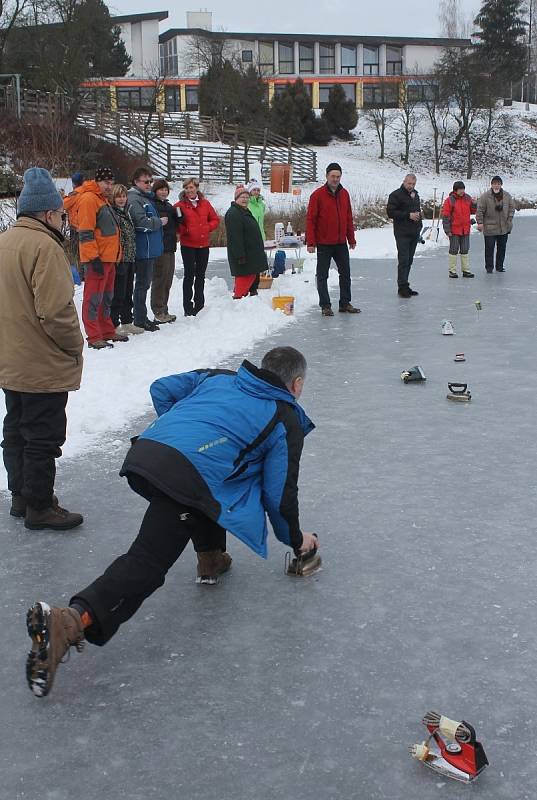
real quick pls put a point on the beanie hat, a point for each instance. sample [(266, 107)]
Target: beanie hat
[(496, 179), (39, 192), (104, 174), (333, 165), (458, 185), (241, 189), (77, 179), (253, 184)]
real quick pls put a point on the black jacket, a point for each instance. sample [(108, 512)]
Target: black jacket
[(245, 245), (400, 204), (165, 209)]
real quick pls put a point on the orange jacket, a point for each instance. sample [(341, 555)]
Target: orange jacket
[(98, 230), (70, 204)]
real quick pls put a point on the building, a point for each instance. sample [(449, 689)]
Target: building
[(373, 70)]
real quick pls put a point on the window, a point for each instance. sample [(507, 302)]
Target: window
[(98, 98), (348, 60), (168, 58), (191, 98), (371, 60), (350, 91), (305, 58), (324, 94), (136, 97), (420, 93), (286, 57), (247, 56), (381, 95), (327, 59), (279, 88), (266, 58), (394, 61), (172, 98)]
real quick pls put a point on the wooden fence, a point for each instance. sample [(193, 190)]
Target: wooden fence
[(216, 162)]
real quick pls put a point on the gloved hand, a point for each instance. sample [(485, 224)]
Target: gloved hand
[(97, 266)]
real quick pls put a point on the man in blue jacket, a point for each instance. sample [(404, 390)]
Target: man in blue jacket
[(149, 243), (223, 453)]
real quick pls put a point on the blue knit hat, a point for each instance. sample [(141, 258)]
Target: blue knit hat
[(38, 192), (77, 179)]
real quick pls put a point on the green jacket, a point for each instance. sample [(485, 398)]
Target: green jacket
[(257, 207), (245, 245)]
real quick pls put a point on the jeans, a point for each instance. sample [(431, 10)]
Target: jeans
[(143, 270), (34, 431), (163, 272), (340, 254), (406, 247), (195, 261), (121, 308), (165, 531), (500, 242)]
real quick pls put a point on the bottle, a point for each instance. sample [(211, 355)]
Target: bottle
[(289, 229)]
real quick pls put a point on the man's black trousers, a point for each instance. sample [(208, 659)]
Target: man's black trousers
[(500, 242), (340, 254), (406, 247), (166, 530), (34, 431)]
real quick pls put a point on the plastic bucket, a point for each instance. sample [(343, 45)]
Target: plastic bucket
[(285, 303)]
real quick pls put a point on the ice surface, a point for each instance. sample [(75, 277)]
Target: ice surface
[(266, 687)]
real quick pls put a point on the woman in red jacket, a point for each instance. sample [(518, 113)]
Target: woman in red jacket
[(456, 219), (199, 219)]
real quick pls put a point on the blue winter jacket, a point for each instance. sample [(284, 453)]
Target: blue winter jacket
[(229, 445), (147, 224)]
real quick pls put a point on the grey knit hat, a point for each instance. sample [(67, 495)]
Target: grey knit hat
[(39, 192)]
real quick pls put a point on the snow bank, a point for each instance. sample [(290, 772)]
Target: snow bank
[(115, 383)]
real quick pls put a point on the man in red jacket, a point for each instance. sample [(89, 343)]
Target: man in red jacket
[(329, 227), (456, 213)]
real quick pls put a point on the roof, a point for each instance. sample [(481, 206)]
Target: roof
[(158, 15), (317, 37)]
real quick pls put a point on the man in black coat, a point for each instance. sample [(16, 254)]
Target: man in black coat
[(405, 210)]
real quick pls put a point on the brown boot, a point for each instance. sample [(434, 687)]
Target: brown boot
[(55, 517), (19, 503), (52, 631), (212, 564), (117, 337), (349, 309), (326, 311)]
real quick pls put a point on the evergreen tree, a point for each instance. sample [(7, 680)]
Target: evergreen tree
[(79, 41), (232, 96), (340, 113), (502, 47), (291, 114)]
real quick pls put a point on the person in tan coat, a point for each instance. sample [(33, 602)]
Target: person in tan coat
[(495, 212), (40, 351)]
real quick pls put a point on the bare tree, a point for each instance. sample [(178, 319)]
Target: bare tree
[(379, 118), (11, 12), (461, 88), (438, 114), (453, 22), (204, 50), (407, 119)]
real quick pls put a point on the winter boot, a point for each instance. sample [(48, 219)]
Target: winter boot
[(54, 517), (465, 264), (326, 311), (349, 309), (52, 631), (117, 337), (404, 291), (99, 344), (162, 319), (452, 261), (212, 564), (19, 504)]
